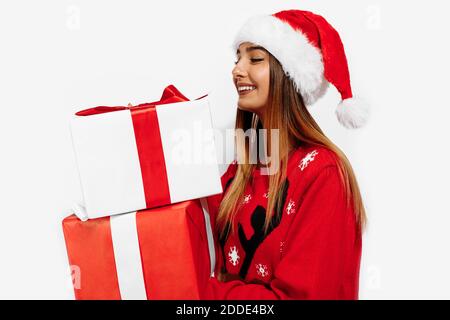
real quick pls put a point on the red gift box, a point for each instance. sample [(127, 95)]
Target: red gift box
[(159, 253)]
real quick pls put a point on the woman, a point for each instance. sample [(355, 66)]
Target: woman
[(294, 233)]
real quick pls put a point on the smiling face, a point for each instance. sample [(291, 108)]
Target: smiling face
[(251, 76)]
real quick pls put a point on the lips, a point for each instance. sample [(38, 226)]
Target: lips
[(244, 88), (242, 93)]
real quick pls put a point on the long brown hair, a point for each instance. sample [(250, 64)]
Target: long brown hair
[(286, 112)]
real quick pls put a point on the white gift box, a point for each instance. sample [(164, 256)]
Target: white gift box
[(133, 158)]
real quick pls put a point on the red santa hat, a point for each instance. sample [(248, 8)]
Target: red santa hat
[(311, 53)]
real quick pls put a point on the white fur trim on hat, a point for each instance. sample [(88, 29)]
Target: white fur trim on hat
[(352, 113), (300, 59)]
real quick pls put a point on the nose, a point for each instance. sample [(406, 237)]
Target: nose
[(237, 71)]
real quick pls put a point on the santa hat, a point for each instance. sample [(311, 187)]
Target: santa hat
[(311, 54)]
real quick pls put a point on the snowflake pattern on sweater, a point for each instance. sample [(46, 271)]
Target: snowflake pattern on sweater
[(312, 249)]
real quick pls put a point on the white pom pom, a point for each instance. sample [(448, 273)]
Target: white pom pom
[(353, 113)]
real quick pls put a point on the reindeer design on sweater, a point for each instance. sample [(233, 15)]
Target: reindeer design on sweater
[(251, 244)]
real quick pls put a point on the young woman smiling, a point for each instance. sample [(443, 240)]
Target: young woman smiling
[(294, 233)]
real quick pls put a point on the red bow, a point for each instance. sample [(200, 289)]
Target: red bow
[(170, 95)]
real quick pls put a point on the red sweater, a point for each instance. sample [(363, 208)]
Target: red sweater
[(312, 252)]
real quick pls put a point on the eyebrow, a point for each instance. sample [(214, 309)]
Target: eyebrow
[(252, 48)]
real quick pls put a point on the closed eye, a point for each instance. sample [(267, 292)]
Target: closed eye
[(252, 60)]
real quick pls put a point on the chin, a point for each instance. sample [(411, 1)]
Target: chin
[(243, 108), (248, 108)]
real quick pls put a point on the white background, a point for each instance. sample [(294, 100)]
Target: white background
[(58, 57)]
